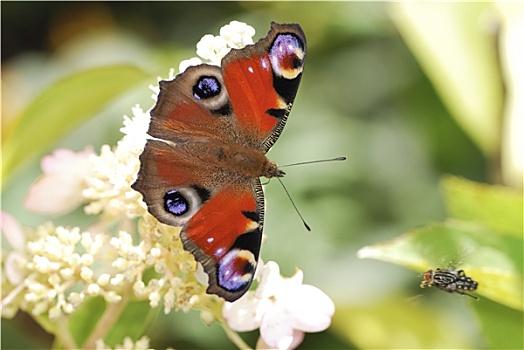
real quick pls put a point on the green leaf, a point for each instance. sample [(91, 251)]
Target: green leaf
[(502, 326), (456, 48), (494, 261), (394, 323), (84, 320), (132, 322), (60, 107), (498, 208), (129, 320)]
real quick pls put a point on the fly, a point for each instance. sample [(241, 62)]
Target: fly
[(449, 280)]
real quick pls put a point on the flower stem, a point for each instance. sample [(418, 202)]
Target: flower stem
[(110, 316), (234, 337), (63, 336), (13, 294)]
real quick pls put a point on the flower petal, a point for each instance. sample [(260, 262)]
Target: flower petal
[(201, 276), (59, 190), (185, 64), (270, 281), (295, 280), (298, 338), (276, 327), (12, 231), (12, 268), (54, 194), (66, 160), (312, 309), (243, 315)]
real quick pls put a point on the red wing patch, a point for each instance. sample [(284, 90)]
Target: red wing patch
[(221, 220)]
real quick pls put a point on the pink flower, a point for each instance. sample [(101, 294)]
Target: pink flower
[(283, 309), (59, 190), (15, 236)]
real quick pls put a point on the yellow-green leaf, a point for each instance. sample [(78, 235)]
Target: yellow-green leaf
[(60, 107), (456, 46), (497, 207), (502, 326), (494, 261), (394, 323)]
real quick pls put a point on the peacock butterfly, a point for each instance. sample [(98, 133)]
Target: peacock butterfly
[(209, 133)]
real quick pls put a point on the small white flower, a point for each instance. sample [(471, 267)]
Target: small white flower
[(135, 129), (86, 273), (112, 297), (75, 298), (109, 188), (128, 344), (103, 279), (93, 289), (283, 309), (237, 34), (185, 64), (65, 174), (212, 49)]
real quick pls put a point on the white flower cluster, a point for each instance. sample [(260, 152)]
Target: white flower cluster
[(177, 285), (44, 273), (114, 171), (212, 49), (48, 266)]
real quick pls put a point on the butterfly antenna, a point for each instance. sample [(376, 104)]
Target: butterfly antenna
[(294, 206), (314, 161)]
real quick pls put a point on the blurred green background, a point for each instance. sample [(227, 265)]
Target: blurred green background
[(364, 95)]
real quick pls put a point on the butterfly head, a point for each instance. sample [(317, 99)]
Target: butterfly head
[(272, 170)]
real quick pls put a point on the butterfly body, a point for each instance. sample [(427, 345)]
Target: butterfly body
[(210, 131)]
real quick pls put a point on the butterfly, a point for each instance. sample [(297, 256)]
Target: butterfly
[(209, 133)]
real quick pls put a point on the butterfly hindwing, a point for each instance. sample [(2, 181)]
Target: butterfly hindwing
[(227, 242), (221, 226)]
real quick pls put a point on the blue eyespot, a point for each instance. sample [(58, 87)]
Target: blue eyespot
[(175, 203), (236, 269), (287, 56), (206, 87)]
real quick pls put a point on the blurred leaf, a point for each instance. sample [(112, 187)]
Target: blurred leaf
[(132, 322), (502, 326), (499, 208), (395, 324), (61, 106), (494, 261), (85, 318), (455, 45)]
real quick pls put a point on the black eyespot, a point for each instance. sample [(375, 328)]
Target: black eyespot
[(297, 62), (206, 87), (175, 203)]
